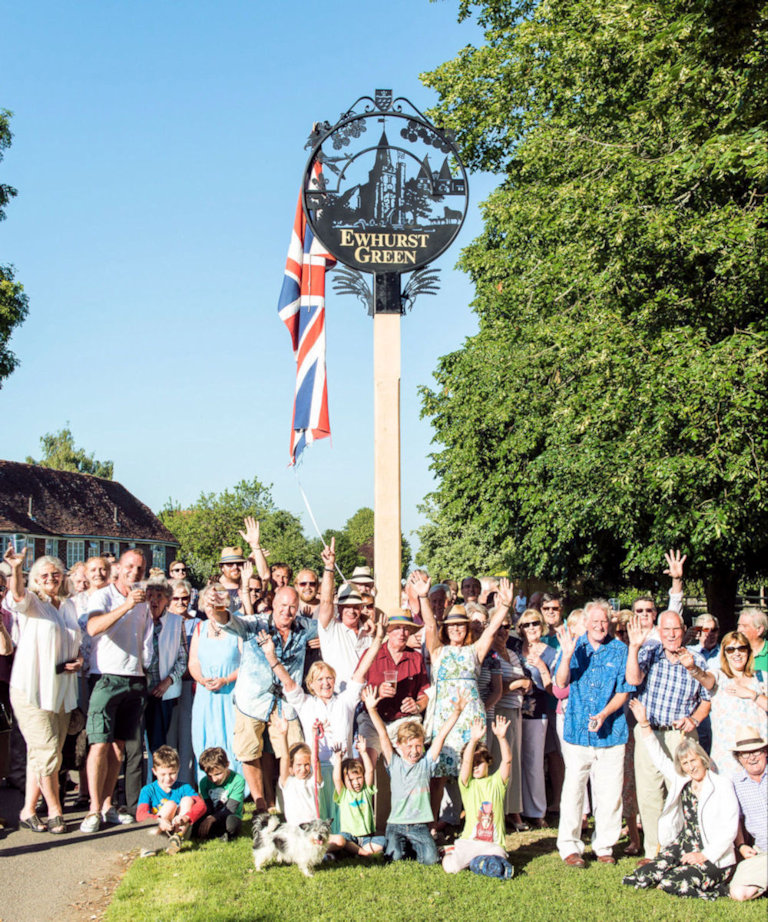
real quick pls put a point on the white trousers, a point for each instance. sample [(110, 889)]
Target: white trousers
[(607, 767)]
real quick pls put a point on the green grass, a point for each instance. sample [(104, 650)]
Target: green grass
[(216, 881)]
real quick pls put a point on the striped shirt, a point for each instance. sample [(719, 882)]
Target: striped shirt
[(668, 692), (753, 804)]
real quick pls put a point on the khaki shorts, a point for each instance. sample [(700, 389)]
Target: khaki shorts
[(752, 872), (44, 733), (248, 735)]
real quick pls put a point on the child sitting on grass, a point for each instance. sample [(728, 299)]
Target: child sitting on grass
[(410, 770), (173, 806), (353, 780), (223, 792), (482, 796)]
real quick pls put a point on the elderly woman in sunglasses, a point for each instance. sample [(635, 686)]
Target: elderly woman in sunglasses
[(738, 694), (43, 678)]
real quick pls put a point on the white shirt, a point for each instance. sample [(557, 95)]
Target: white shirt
[(299, 800), (47, 637), (336, 717), (341, 648), (127, 645)]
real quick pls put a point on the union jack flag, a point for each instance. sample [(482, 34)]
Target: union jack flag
[(302, 309)]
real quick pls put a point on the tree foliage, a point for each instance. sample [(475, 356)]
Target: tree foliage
[(613, 401), (60, 453), (13, 301), (216, 519)]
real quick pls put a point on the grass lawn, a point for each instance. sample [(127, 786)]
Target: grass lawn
[(216, 881)]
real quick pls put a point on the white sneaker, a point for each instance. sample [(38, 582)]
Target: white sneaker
[(113, 818), (91, 823)]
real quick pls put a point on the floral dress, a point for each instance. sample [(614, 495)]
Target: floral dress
[(705, 881), (728, 715), (455, 671)]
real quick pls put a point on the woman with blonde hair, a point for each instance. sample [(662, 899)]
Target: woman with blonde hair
[(43, 679)]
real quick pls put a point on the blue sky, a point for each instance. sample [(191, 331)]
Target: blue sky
[(158, 152)]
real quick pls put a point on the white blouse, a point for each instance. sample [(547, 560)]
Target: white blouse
[(47, 637)]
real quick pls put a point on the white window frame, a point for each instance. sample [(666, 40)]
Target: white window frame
[(93, 549), (158, 556), (75, 551), (30, 552), (51, 547), (110, 547)]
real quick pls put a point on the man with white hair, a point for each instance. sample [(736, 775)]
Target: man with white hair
[(753, 624), (668, 678), (594, 735)]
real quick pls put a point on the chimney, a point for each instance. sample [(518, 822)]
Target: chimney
[(114, 517), (30, 514)]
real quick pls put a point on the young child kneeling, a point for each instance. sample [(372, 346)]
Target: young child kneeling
[(482, 796), (223, 792), (353, 780), (173, 806), (410, 770)]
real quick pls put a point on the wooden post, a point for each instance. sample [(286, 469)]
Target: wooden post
[(386, 450)]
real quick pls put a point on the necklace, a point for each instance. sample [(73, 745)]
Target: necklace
[(215, 627)]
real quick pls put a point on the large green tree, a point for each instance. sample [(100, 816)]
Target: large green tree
[(13, 301), (61, 453), (613, 401), (216, 519)]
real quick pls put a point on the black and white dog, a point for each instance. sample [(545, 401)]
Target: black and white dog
[(275, 840)]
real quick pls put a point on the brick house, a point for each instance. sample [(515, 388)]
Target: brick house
[(76, 516)]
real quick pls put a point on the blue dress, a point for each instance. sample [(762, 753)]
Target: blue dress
[(213, 712)]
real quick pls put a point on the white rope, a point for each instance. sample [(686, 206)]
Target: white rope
[(314, 520)]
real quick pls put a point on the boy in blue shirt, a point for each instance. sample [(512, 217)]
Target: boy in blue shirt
[(173, 806), (410, 770)]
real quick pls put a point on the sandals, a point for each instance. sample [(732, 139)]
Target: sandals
[(34, 823), (56, 825)]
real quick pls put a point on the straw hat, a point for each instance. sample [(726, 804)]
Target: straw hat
[(348, 595), (457, 615), (231, 555), (748, 739), (401, 617), (362, 576)]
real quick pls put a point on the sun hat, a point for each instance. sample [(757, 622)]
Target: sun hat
[(457, 615), (748, 739), (401, 617), (348, 595), (231, 555), (362, 576)]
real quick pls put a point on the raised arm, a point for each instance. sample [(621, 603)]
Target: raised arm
[(504, 601), (268, 649), (336, 755), (567, 646), (499, 729), (420, 584), (246, 572), (476, 732), (437, 743), (371, 653), (251, 536), (365, 758), (370, 700), (325, 608), (281, 726), (703, 677), (16, 563), (637, 637), (675, 563)]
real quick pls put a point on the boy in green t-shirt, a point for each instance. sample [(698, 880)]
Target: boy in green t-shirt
[(482, 796), (353, 781), (223, 792)]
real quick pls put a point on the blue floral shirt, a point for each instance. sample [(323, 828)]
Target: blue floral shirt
[(596, 676), (257, 690)]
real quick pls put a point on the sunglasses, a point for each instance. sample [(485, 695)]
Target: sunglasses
[(308, 582), (529, 624), (737, 649), (179, 570), (181, 598), (232, 565)]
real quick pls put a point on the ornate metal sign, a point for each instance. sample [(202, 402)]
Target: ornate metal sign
[(391, 192)]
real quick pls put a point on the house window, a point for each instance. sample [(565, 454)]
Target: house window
[(75, 552), (51, 547), (158, 556), (110, 547), (30, 552), (93, 549)]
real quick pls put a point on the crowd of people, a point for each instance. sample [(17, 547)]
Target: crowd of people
[(469, 710)]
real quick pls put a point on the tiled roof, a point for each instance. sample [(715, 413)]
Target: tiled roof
[(66, 503)]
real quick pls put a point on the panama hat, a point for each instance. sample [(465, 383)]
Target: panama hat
[(348, 595), (401, 617), (231, 555), (457, 615), (748, 739), (362, 576)]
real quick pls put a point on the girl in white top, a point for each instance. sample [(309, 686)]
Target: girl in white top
[(43, 678)]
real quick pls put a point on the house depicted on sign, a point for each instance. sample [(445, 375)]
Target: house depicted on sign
[(76, 516)]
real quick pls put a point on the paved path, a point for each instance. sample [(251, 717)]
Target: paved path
[(63, 878)]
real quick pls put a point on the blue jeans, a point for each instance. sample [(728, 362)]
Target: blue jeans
[(417, 835)]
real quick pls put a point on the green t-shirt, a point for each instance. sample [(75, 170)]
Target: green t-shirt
[(218, 795), (356, 810), (483, 800), (761, 660)]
